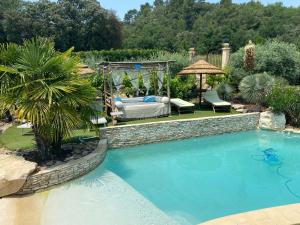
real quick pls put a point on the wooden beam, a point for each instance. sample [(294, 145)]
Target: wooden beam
[(133, 63), (200, 90), (111, 91), (168, 88), (104, 88)]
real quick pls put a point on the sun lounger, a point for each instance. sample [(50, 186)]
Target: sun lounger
[(212, 98), (182, 105), (99, 121), (25, 126)]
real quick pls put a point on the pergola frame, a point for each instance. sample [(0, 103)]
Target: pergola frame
[(106, 68)]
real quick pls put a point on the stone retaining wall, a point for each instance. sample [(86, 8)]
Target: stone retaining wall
[(60, 174), (130, 135)]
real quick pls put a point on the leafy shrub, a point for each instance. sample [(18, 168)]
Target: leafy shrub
[(212, 81), (225, 91), (96, 81), (235, 76), (277, 58), (184, 87), (255, 88), (286, 99)]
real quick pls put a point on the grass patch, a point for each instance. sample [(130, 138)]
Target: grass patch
[(13, 139)]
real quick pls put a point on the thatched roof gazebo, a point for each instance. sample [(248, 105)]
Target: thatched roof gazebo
[(199, 68), (85, 70)]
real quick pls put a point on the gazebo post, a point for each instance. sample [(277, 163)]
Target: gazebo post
[(101, 68), (200, 90), (168, 88), (111, 89)]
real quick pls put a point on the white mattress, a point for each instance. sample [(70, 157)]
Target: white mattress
[(140, 110)]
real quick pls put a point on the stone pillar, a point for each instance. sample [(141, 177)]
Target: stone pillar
[(225, 54), (192, 53)]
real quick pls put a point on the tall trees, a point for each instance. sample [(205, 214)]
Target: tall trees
[(176, 24), (173, 25), (6, 8), (87, 26), (83, 24), (130, 16)]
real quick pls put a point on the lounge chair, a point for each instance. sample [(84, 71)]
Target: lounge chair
[(182, 105), (213, 99), (99, 120)]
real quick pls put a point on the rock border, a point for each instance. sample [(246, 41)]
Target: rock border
[(60, 174)]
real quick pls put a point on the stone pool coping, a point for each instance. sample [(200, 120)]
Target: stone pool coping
[(292, 130), (55, 175), (153, 132), (279, 215), (183, 120)]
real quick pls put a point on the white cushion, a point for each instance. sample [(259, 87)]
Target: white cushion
[(119, 104), (164, 100), (100, 120)]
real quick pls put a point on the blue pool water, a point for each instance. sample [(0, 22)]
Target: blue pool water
[(200, 179)]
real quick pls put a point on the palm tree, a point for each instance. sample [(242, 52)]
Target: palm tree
[(47, 91), (8, 54), (255, 88)]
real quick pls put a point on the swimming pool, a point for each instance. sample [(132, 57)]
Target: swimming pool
[(199, 179), (182, 182)]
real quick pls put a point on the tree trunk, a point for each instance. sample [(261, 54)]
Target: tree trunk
[(8, 116), (56, 146), (42, 145)]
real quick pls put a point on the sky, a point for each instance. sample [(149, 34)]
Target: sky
[(122, 6)]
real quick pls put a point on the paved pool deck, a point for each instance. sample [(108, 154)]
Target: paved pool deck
[(281, 215)]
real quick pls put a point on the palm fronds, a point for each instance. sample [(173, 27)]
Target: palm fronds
[(44, 87)]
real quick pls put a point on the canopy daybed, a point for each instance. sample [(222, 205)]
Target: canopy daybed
[(135, 107)]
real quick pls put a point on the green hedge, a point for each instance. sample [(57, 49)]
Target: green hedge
[(119, 54), (277, 58), (286, 99)]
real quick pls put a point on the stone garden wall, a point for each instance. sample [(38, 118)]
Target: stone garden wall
[(66, 172), (130, 135)]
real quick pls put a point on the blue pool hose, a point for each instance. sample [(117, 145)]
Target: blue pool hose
[(272, 158)]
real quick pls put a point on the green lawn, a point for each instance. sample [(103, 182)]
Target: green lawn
[(13, 139), (205, 112)]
